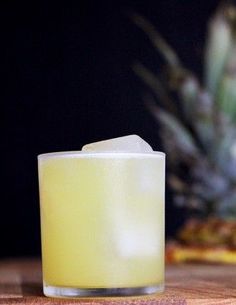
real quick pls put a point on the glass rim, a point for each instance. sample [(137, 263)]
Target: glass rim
[(80, 153)]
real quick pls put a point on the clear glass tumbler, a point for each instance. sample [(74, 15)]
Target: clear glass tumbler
[(102, 223)]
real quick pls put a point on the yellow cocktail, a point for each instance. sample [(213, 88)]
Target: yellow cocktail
[(102, 223)]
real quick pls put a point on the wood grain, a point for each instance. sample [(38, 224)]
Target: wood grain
[(21, 283)]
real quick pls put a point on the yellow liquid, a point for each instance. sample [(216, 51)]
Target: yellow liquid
[(102, 219)]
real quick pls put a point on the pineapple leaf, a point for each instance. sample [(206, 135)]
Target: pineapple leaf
[(188, 93), (155, 85), (219, 42), (225, 153), (183, 139), (226, 99), (210, 184), (160, 44), (177, 184), (227, 206), (203, 122)]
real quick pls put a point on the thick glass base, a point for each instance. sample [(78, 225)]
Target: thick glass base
[(67, 292)]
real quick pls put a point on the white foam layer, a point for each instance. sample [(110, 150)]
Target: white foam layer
[(103, 155)]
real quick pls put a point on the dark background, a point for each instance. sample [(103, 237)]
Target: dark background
[(69, 82)]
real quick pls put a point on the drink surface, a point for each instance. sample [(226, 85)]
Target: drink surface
[(102, 220)]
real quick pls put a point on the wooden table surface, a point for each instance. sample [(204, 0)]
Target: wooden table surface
[(21, 283)]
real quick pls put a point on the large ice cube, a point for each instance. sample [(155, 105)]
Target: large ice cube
[(139, 241), (131, 143)]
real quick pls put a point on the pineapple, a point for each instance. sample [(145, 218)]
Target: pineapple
[(198, 128)]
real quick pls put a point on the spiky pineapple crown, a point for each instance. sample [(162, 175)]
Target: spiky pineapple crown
[(199, 134)]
